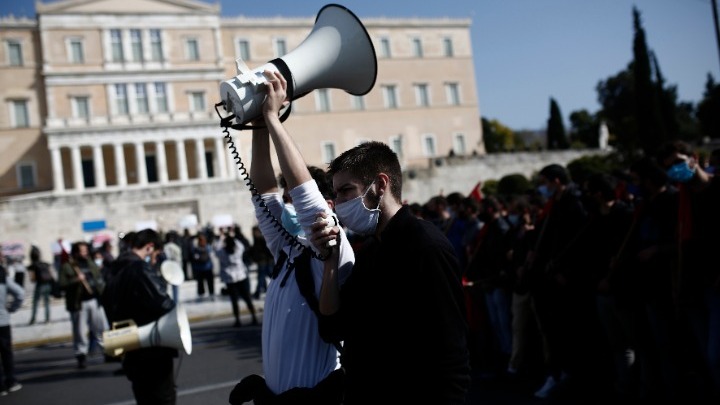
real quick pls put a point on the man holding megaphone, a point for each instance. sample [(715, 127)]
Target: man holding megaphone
[(137, 293)]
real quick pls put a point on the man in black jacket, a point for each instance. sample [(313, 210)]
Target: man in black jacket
[(136, 291), (401, 313)]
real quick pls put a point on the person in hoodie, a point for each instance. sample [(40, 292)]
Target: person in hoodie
[(136, 291), (8, 288)]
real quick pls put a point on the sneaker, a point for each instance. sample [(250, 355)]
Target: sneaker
[(546, 389), (3, 393), (15, 387)]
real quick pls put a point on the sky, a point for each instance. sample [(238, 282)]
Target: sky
[(529, 51)]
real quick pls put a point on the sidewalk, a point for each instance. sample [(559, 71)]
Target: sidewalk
[(60, 329)]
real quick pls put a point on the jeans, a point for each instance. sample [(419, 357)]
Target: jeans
[(88, 325)]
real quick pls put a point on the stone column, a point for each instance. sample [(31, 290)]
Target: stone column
[(201, 164), (120, 170), (140, 162), (77, 168), (161, 161), (181, 160), (220, 153), (58, 175), (99, 165)]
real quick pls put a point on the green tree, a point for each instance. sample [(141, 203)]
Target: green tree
[(584, 129), (497, 137), (556, 136), (513, 184), (708, 110), (651, 131)]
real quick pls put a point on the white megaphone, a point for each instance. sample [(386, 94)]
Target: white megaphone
[(171, 330), (338, 54), (172, 272)]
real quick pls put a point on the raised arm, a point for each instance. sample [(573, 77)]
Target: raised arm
[(292, 164), (261, 169)]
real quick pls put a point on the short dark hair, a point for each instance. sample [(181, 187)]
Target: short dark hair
[(602, 183), (555, 171), (321, 177), (366, 161), (145, 237)]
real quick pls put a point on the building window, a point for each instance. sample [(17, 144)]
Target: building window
[(243, 49), (121, 99), (116, 45), (328, 150), (396, 145), (448, 47), (459, 146), (75, 49), (197, 101), (156, 48), (280, 47), (453, 93), (429, 145), (385, 51), (21, 117), (421, 95), (161, 99), (390, 96), (358, 102), (417, 47), (191, 49), (26, 175), (81, 107), (136, 45), (141, 98), (14, 51), (322, 100)]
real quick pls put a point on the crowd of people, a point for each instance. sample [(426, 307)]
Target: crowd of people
[(606, 286), (609, 286)]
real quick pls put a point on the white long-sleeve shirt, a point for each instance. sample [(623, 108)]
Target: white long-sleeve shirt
[(294, 354)]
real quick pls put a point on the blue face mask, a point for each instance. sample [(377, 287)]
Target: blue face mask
[(514, 219), (680, 172), (545, 191), (290, 221)]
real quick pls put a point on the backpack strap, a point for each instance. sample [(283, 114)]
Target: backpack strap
[(306, 285)]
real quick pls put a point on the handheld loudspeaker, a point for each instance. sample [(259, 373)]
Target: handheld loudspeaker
[(170, 330), (338, 53), (172, 272)]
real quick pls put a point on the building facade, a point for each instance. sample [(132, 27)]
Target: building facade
[(109, 110)]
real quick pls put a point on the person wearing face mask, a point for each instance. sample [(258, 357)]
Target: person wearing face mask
[(698, 221), (136, 291), (401, 313), (298, 365), (83, 284)]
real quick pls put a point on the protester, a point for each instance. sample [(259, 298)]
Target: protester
[(83, 284), (234, 273), (42, 274), (401, 314), (297, 364), (137, 292), (11, 298)]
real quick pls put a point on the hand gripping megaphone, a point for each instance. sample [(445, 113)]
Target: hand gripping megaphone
[(338, 53), (171, 330)]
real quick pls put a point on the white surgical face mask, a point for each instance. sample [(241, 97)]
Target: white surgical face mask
[(98, 262), (357, 217)]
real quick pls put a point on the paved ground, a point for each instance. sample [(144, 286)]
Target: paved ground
[(59, 328)]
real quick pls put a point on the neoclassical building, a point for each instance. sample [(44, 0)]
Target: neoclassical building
[(108, 111)]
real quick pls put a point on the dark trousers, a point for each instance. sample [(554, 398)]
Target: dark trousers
[(7, 374), (205, 278), (241, 289), (151, 373)]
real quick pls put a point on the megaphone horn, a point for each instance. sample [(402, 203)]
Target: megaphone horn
[(171, 330), (172, 272), (338, 53)]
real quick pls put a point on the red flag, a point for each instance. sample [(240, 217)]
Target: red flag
[(476, 193)]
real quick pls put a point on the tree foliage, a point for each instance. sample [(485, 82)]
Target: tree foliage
[(556, 136), (497, 137), (708, 111)]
